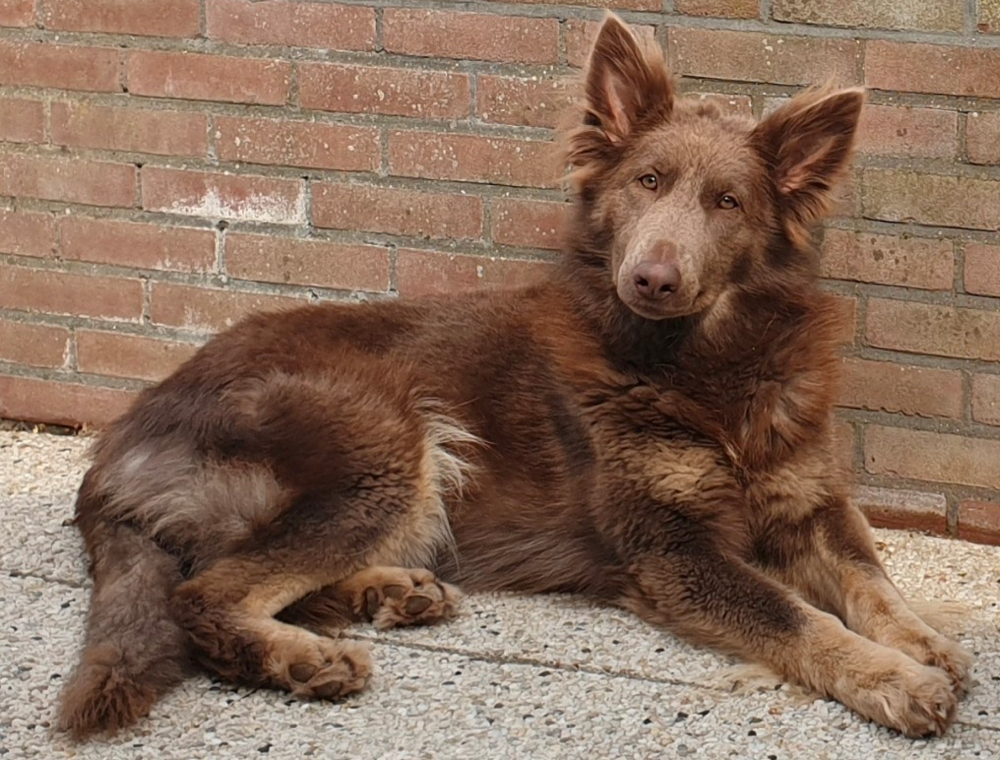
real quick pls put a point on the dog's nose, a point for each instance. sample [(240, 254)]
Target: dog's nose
[(656, 280)]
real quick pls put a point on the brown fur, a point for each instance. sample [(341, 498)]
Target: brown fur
[(650, 426)]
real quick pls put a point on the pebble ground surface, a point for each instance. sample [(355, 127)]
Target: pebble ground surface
[(512, 677)]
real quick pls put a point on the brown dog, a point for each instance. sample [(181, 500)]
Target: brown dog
[(651, 426)]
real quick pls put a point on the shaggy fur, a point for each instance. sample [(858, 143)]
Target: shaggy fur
[(649, 426)]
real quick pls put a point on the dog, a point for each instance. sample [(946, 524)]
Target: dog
[(649, 426)]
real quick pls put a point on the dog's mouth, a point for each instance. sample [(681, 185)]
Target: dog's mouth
[(676, 306)]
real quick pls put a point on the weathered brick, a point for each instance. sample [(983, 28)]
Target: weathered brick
[(908, 132), (34, 345), (76, 295), (889, 260), (982, 269), (57, 403), (944, 69), (209, 309), (22, 120), (483, 36), (161, 18), (719, 8), (988, 16), (382, 89), (299, 24), (937, 457), (986, 399), (63, 67), (424, 272), (307, 262), (940, 15), (28, 233), (195, 76), (848, 307), (297, 143), (979, 521), (17, 13), (946, 201), (95, 183), (735, 105), (224, 196), (529, 101), (397, 211), (580, 36), (931, 329), (133, 356), (146, 246), (757, 57), (888, 387), (472, 158), (528, 223), (168, 133), (895, 508), (632, 5), (982, 137)]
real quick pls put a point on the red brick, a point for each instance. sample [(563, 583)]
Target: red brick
[(227, 196), (385, 90), (22, 120), (898, 509), (940, 15), (299, 24), (931, 329), (979, 521), (938, 457), (735, 105), (166, 133), (483, 36), (945, 201), (944, 69), (844, 444), (160, 18), (146, 246), (133, 356), (633, 5), (848, 307), (308, 262), (17, 13), (982, 137), (986, 399), (908, 132), (95, 183), (757, 57), (209, 309), (426, 272), (889, 260), (398, 211), (529, 101), (528, 223), (580, 36), (28, 233), (196, 76), (74, 294), (888, 387), (57, 403), (34, 345), (719, 8), (497, 160), (297, 143), (982, 269), (62, 67)]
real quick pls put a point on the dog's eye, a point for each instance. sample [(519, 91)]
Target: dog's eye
[(728, 202), (648, 181)]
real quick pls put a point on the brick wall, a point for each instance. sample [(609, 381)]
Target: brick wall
[(168, 165)]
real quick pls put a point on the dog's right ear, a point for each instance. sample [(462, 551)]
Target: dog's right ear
[(625, 84)]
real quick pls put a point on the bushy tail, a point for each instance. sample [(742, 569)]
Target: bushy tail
[(134, 651)]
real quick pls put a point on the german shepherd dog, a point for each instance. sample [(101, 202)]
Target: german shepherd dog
[(650, 426)]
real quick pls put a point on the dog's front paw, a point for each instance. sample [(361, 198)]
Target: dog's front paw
[(951, 657), (915, 699)]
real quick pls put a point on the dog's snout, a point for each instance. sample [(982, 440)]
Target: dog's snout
[(656, 280)]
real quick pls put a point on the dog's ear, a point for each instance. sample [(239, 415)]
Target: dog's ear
[(807, 144), (625, 83)]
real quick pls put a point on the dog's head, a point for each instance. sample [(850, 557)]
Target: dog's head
[(689, 203)]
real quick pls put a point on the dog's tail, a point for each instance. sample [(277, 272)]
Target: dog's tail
[(134, 650)]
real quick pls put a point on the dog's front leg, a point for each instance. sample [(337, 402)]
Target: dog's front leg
[(713, 599)]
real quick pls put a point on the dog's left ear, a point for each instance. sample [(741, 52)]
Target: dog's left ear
[(807, 144)]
